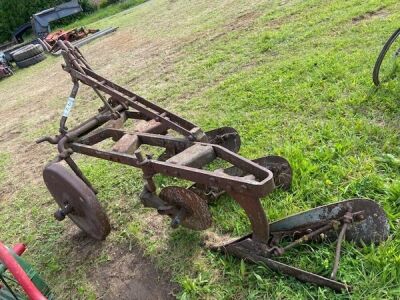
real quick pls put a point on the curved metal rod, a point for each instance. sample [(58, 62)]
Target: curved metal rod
[(256, 214), (12, 265)]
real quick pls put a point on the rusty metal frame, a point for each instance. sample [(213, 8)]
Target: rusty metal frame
[(128, 105)]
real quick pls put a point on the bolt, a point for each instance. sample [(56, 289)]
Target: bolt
[(60, 214), (177, 220)]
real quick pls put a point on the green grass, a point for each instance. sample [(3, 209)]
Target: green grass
[(4, 160), (294, 82)]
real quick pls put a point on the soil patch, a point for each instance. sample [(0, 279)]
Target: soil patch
[(379, 13), (130, 275)]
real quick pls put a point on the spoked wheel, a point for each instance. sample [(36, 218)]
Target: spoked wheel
[(186, 208), (385, 68), (77, 201)]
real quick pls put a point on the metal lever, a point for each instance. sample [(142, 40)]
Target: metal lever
[(347, 219)]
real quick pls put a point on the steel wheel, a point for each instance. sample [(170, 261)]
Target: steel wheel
[(69, 191)]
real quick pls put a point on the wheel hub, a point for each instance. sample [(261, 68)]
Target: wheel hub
[(191, 208), (77, 201)]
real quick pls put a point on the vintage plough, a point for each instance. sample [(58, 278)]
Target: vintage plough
[(186, 153)]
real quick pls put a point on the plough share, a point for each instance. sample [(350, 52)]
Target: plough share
[(186, 155)]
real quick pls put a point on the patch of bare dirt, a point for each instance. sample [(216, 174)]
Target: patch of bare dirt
[(379, 13), (125, 272), (129, 275), (243, 21)]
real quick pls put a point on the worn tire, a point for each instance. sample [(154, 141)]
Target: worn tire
[(31, 61), (27, 52)]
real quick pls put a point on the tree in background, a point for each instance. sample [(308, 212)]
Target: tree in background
[(16, 13)]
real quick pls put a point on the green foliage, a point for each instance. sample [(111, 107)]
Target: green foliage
[(105, 3), (16, 13), (4, 160)]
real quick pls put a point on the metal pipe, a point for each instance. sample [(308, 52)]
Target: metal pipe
[(310, 235), (337, 253), (69, 106), (79, 173), (347, 219)]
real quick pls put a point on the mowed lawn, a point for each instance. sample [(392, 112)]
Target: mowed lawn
[(293, 77)]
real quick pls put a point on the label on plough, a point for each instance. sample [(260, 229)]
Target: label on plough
[(68, 106)]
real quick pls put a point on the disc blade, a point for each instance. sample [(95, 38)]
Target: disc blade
[(278, 165), (198, 216), (226, 137)]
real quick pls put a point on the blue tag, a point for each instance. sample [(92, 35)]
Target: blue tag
[(68, 106)]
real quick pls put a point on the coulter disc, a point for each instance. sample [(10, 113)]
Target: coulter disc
[(198, 216), (278, 165), (281, 169), (69, 190), (226, 137)]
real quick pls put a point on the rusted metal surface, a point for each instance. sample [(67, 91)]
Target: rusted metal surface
[(88, 39), (227, 137), (280, 167), (76, 200), (82, 139), (188, 150), (190, 210), (71, 35), (359, 220), (347, 219), (372, 228), (197, 156), (245, 249), (128, 143)]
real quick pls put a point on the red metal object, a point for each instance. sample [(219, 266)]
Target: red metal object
[(19, 249), (69, 35), (5, 70), (12, 265)]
